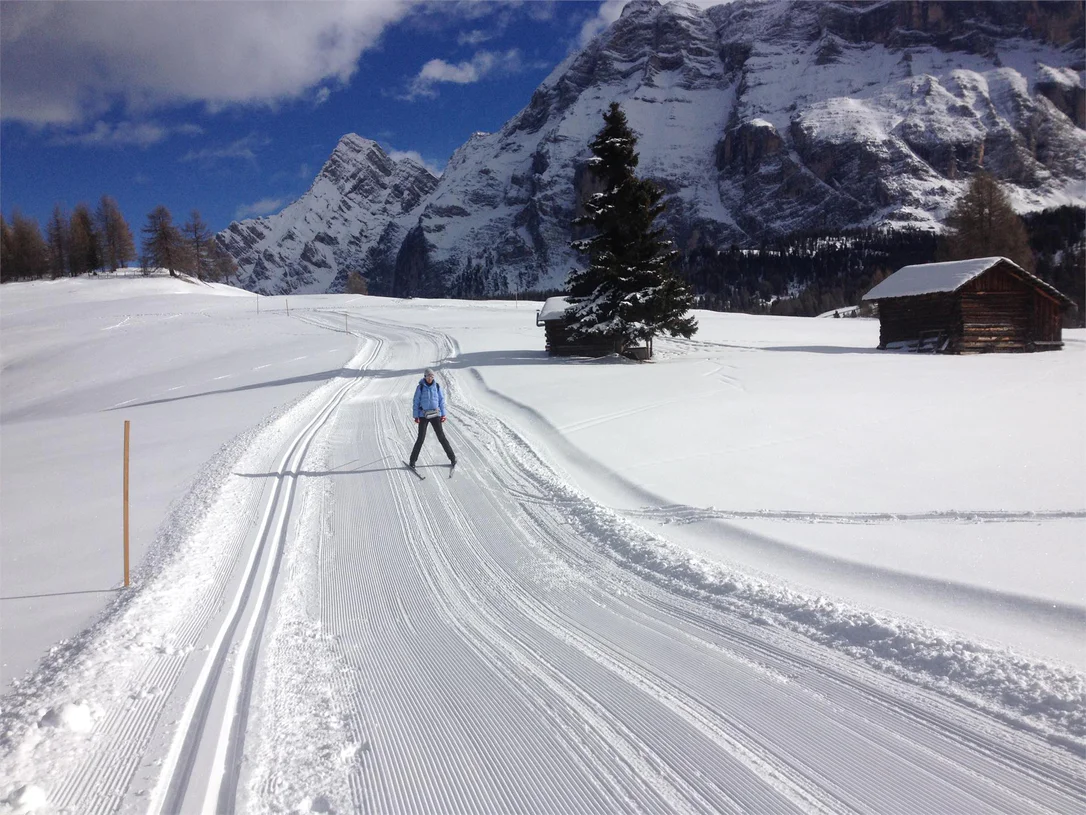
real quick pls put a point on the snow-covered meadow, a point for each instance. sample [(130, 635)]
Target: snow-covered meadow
[(923, 514)]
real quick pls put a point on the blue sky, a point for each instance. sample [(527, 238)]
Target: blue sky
[(232, 107)]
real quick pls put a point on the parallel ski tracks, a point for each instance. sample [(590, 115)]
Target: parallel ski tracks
[(484, 596), (483, 606), (1013, 768), (680, 771), (240, 635), (555, 684)]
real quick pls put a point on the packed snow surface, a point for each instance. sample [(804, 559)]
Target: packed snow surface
[(774, 569)]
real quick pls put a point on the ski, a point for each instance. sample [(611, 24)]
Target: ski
[(418, 475)]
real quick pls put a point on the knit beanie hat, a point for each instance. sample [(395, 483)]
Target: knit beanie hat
[(428, 372)]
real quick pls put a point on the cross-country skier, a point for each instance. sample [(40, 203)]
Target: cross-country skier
[(429, 409)]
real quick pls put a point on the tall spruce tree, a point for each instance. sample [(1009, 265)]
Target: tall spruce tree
[(628, 293)]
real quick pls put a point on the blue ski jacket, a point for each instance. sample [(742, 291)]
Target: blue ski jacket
[(428, 397)]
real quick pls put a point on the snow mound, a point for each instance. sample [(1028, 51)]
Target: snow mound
[(317, 804), (25, 800), (75, 717)]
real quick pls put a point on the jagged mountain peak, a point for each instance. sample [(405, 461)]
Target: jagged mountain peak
[(757, 117), (313, 243)]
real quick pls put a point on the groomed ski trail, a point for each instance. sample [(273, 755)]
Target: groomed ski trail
[(340, 636), (493, 654)]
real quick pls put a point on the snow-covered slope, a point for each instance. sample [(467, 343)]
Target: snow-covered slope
[(757, 118), (872, 604), (357, 200)]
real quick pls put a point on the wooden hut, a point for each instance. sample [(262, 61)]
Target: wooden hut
[(968, 307), (555, 324)]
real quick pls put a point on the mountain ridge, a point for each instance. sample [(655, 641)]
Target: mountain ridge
[(757, 118)]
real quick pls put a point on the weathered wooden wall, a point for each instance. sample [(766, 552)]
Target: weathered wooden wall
[(995, 321), (1003, 312), (996, 311), (904, 319), (1047, 324), (559, 345)]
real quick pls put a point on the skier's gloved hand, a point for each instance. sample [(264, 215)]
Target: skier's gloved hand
[(442, 418), (416, 421)]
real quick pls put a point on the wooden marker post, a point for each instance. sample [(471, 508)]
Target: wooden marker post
[(127, 425)]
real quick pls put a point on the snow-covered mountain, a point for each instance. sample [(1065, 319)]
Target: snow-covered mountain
[(758, 118), (360, 201)]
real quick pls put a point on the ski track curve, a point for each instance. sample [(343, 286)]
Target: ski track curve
[(135, 717), (493, 642), (499, 657)]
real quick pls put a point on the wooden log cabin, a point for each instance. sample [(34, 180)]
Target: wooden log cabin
[(555, 324), (968, 307)]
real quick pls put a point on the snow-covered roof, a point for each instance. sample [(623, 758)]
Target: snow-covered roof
[(553, 309), (935, 278)]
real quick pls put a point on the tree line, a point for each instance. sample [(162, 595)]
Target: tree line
[(85, 241), (810, 273)]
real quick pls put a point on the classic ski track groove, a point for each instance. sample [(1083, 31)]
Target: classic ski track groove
[(644, 695), (170, 792), (1011, 760), (682, 514), (1064, 779), (608, 705)]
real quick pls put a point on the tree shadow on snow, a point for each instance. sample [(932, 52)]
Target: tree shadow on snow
[(481, 359), (369, 467), (820, 349)]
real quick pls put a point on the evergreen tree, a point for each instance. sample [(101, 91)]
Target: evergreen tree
[(118, 247), (163, 247), (197, 246), (628, 293), (56, 238), (84, 253), (983, 224)]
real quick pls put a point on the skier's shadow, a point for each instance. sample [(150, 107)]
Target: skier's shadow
[(365, 468)]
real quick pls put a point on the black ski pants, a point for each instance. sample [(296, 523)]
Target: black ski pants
[(439, 430)]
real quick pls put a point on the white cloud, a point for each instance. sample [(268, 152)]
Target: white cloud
[(438, 71), (125, 134), (473, 38), (262, 207), (66, 63), (416, 157), (141, 134), (241, 149), (611, 10)]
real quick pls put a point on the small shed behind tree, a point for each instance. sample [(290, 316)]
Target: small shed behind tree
[(556, 329), (968, 307)]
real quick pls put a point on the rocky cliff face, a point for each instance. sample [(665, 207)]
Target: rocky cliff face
[(757, 118), (360, 202)]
